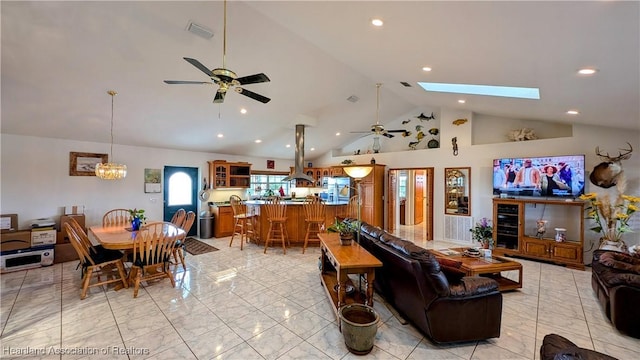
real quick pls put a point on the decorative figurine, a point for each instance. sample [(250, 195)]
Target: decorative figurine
[(541, 228)]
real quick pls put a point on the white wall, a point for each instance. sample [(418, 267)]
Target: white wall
[(35, 181), (480, 159)]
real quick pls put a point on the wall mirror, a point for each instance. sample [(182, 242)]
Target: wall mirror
[(457, 183)]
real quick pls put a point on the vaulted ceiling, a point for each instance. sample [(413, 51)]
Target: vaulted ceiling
[(59, 59)]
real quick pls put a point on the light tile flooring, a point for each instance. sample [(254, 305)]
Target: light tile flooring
[(233, 304)]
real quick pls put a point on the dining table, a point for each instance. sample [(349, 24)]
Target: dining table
[(121, 238)]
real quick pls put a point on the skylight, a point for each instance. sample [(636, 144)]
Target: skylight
[(504, 91)]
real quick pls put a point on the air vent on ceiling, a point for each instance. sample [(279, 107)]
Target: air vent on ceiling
[(353, 98), (405, 84), (200, 30)]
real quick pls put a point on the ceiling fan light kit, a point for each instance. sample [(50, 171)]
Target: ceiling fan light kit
[(225, 78), (109, 170)]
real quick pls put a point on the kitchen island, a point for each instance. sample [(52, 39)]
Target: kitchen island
[(296, 226)]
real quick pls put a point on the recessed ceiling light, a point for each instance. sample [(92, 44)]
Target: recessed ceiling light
[(337, 134), (220, 135), (243, 111), (426, 68), (288, 145), (258, 141), (573, 112), (490, 90), (313, 149), (377, 22), (462, 101), (587, 71)]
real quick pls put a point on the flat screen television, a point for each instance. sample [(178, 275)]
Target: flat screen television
[(545, 176)]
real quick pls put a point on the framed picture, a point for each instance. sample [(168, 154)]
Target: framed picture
[(84, 164), (271, 164), (152, 181)]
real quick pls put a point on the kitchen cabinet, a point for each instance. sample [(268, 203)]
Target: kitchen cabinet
[(316, 173), (223, 174), (514, 230), (223, 221)]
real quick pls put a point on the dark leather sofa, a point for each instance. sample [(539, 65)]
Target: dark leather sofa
[(556, 347), (615, 278), (445, 305)]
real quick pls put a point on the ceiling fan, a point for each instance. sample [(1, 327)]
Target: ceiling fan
[(225, 78), (376, 128)]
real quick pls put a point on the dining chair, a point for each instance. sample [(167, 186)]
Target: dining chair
[(277, 216), (179, 217), (352, 208), (95, 262), (179, 248), (243, 221), (116, 217), (152, 249), (314, 211)]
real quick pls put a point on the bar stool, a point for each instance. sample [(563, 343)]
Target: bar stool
[(277, 216), (314, 211), (243, 225)]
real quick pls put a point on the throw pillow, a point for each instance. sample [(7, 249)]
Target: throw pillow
[(620, 261)]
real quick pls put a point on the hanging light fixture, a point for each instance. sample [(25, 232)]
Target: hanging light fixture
[(376, 139), (109, 170)]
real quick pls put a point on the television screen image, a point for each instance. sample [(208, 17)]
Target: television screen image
[(548, 176)]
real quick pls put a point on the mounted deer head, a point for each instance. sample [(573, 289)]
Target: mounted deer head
[(606, 174)]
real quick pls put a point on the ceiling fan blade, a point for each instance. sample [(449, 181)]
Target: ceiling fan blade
[(187, 82), (199, 65), (388, 135), (253, 79), (251, 94), (396, 131), (219, 99)]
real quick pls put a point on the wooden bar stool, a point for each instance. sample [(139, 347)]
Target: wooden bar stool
[(277, 216), (314, 211), (243, 221)]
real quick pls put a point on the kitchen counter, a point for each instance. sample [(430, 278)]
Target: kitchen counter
[(296, 224)]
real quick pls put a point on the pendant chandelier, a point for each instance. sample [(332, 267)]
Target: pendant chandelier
[(109, 170)]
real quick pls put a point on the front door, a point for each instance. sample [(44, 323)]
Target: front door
[(180, 191)]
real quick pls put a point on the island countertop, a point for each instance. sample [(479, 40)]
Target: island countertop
[(296, 224), (296, 202)]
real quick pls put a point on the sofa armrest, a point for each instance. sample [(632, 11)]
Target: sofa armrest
[(473, 286)]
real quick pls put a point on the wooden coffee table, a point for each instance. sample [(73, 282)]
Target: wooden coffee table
[(337, 261), (489, 267)]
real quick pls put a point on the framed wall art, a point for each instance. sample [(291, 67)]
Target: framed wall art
[(152, 182), (84, 164)]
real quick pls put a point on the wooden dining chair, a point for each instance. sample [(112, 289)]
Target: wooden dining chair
[(277, 216), (117, 217), (152, 249), (179, 217), (243, 222), (96, 263), (352, 208), (314, 211), (179, 248)]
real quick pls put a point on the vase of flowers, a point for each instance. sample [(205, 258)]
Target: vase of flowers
[(137, 218), (611, 218), (483, 233)]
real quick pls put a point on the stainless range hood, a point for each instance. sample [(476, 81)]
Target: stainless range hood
[(298, 172)]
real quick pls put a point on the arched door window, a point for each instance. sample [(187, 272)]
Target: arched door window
[(180, 186)]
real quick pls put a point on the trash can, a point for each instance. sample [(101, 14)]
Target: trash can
[(206, 226)]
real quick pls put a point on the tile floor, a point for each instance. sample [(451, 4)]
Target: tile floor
[(233, 304)]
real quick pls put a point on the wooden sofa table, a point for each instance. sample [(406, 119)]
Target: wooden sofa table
[(337, 261), (481, 266)]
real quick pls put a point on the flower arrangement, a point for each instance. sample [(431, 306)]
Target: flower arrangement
[(483, 232), (611, 218), (137, 214)]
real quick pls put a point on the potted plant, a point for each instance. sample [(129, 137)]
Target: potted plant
[(483, 233), (137, 218), (345, 229)]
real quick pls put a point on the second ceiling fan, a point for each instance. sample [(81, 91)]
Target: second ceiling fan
[(377, 128), (225, 78)]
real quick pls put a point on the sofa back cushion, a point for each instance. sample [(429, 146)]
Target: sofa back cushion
[(620, 261)]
